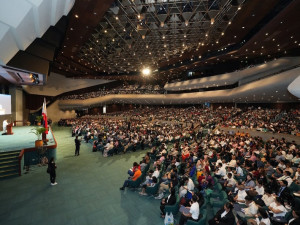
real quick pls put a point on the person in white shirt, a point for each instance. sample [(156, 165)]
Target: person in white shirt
[(286, 176), (259, 188), (265, 217), (232, 162), (297, 176), (277, 208), (193, 214), (189, 186), (156, 172), (240, 197), (239, 171), (289, 156), (221, 171), (252, 208), (231, 182), (268, 198)]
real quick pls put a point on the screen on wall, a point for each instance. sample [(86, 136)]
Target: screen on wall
[(5, 104)]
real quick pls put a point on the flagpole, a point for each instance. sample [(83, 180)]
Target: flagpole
[(44, 114)]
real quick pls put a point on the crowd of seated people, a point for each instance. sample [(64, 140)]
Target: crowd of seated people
[(124, 89), (267, 120), (256, 176), (112, 136), (273, 120), (250, 173)]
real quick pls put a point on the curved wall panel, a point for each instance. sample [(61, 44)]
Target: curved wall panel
[(238, 76), (294, 87), (271, 89)]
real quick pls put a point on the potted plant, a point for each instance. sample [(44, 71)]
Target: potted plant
[(38, 132), (38, 120)]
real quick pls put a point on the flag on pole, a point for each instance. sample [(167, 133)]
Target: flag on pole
[(44, 114)]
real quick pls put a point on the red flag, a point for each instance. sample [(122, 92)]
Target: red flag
[(44, 114)]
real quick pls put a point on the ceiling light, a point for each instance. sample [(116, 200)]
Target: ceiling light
[(222, 33), (146, 71), (229, 22), (76, 16), (239, 8)]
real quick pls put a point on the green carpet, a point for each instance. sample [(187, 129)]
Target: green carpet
[(87, 192)]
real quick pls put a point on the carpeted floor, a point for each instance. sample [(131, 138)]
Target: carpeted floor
[(87, 192)]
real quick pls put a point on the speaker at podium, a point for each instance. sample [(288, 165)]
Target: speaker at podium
[(9, 129)]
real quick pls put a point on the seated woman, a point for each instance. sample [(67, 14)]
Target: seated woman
[(224, 216), (249, 182), (170, 200)]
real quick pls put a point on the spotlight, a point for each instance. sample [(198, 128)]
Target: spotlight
[(146, 71)]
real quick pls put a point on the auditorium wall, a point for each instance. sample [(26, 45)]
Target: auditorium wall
[(55, 114), (17, 104)]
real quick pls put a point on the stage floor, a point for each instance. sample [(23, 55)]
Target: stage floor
[(22, 138)]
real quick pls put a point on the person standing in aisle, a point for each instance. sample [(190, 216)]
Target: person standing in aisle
[(52, 172), (77, 145)]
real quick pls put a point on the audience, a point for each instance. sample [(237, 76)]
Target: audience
[(184, 159)]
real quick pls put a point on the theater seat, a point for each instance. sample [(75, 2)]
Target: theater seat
[(202, 220)]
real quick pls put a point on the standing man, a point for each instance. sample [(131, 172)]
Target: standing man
[(77, 145), (5, 123), (51, 170)]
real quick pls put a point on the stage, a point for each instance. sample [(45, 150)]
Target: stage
[(18, 152), (21, 139)]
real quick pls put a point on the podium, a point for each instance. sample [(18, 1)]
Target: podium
[(9, 129)]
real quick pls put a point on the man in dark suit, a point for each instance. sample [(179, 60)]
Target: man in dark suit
[(170, 200), (224, 216), (296, 218), (77, 145), (284, 192)]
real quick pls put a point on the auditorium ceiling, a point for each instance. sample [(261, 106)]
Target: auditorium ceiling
[(116, 39)]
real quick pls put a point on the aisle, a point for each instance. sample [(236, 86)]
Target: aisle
[(87, 191)]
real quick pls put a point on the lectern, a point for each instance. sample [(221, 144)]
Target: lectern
[(9, 129)]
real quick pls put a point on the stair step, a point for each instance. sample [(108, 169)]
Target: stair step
[(8, 171), (10, 162), (9, 175), (8, 158), (13, 153), (6, 166)]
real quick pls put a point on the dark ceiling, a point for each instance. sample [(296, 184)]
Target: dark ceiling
[(116, 39)]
